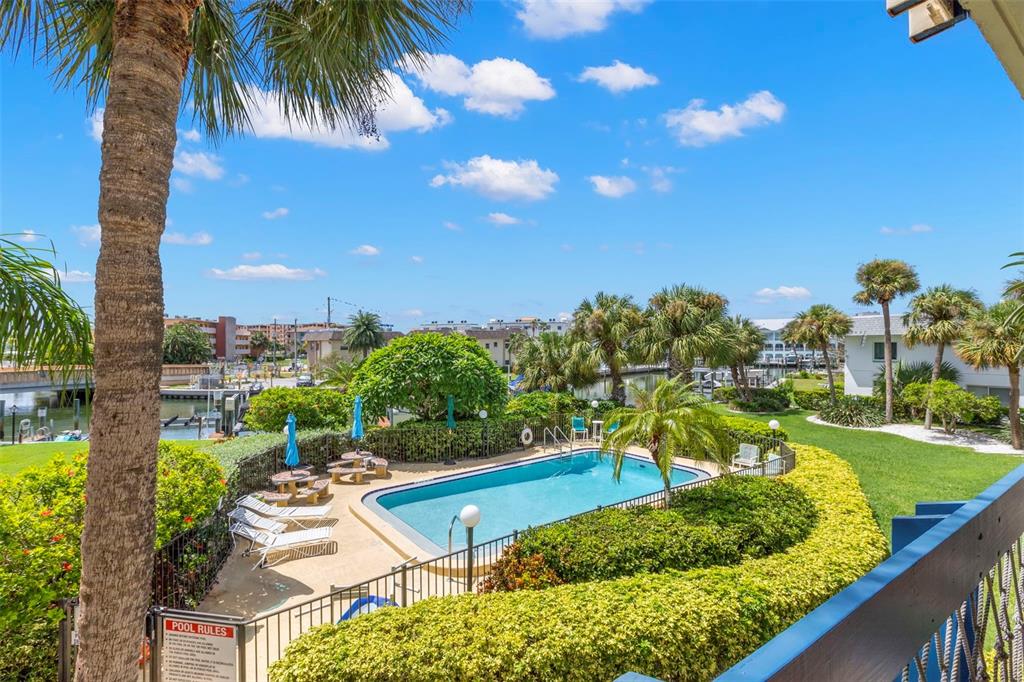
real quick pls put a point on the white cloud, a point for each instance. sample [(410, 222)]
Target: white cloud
[(660, 177), (181, 184), (917, 228), (695, 126), (87, 234), (499, 218), (182, 239), (770, 295), (199, 164), (28, 236), (619, 77), (365, 250), (500, 179), (449, 225), (268, 271), (252, 255), (412, 312), (494, 86), (418, 260), (96, 125), (553, 19), (615, 187), (191, 135), (276, 213), (401, 110), (76, 277)]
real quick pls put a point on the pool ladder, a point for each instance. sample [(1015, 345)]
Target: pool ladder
[(557, 437)]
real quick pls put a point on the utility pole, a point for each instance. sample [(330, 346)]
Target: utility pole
[(295, 346), (273, 354), (328, 312)]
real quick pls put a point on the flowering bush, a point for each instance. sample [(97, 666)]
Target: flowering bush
[(41, 514)]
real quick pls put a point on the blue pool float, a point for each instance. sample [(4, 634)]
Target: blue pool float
[(365, 605)]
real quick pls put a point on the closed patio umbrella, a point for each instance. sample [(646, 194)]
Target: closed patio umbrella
[(357, 421), (291, 455)]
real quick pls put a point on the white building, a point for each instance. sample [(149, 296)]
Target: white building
[(865, 348), (777, 352)]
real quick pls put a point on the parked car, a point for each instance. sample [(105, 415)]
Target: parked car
[(304, 380)]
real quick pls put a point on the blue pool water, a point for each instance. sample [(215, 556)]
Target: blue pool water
[(516, 496)]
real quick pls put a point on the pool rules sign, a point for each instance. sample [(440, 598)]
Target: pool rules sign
[(195, 651)]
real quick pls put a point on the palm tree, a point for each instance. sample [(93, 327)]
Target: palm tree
[(670, 421), (936, 318), (739, 346), (39, 323), (339, 374), (547, 361), (1015, 287), (258, 344), (327, 64), (684, 323), (995, 338), (603, 331), (881, 281), (816, 327), (364, 333)]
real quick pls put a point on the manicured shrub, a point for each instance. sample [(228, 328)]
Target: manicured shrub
[(544, 406), (687, 625), (764, 400), (314, 408), (41, 513), (430, 441), (516, 570), (811, 400), (752, 428), (849, 410), (713, 525), (724, 394), (419, 371)]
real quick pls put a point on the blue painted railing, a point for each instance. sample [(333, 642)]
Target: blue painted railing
[(920, 611)]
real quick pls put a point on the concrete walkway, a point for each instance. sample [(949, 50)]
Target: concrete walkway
[(936, 436)]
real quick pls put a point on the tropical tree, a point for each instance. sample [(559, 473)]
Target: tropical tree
[(1015, 287), (684, 323), (881, 281), (669, 421), (339, 373), (936, 318), (994, 337), (39, 323), (547, 361), (906, 373), (603, 330), (258, 344), (817, 327), (186, 344), (364, 333), (739, 346), (324, 64)]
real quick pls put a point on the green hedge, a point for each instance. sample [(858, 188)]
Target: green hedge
[(41, 516), (713, 525), (743, 426), (811, 400), (676, 625), (314, 408)]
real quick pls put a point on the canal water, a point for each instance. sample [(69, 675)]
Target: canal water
[(29, 404)]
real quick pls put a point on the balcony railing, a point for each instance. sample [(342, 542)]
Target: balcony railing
[(945, 607)]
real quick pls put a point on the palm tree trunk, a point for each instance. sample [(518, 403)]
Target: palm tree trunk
[(936, 370), (735, 372), (1016, 437), (618, 387), (828, 372), (887, 354), (151, 50), (677, 368)]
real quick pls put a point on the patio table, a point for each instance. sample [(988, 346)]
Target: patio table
[(351, 459), (289, 480)]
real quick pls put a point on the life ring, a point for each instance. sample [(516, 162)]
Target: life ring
[(526, 437)]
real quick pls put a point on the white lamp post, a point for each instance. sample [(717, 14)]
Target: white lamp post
[(774, 425), (470, 517), (594, 404)]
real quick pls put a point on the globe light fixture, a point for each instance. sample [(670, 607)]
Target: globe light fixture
[(774, 424), (470, 516), (483, 414), (594, 404)]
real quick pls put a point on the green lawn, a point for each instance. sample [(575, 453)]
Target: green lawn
[(14, 458), (897, 472)]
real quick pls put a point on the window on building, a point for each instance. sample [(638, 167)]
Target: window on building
[(880, 350)]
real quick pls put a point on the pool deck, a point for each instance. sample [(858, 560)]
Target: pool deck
[(362, 553)]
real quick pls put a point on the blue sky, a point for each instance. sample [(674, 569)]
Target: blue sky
[(517, 175)]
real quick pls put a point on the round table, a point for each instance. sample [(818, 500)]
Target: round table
[(289, 480), (351, 458)]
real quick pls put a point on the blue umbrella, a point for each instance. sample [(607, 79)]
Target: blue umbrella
[(451, 412), (357, 420), (291, 455)]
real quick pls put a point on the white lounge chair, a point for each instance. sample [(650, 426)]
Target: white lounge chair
[(305, 543), (748, 456), (243, 515), (294, 514)]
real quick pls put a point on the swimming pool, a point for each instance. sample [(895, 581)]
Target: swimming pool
[(515, 496)]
